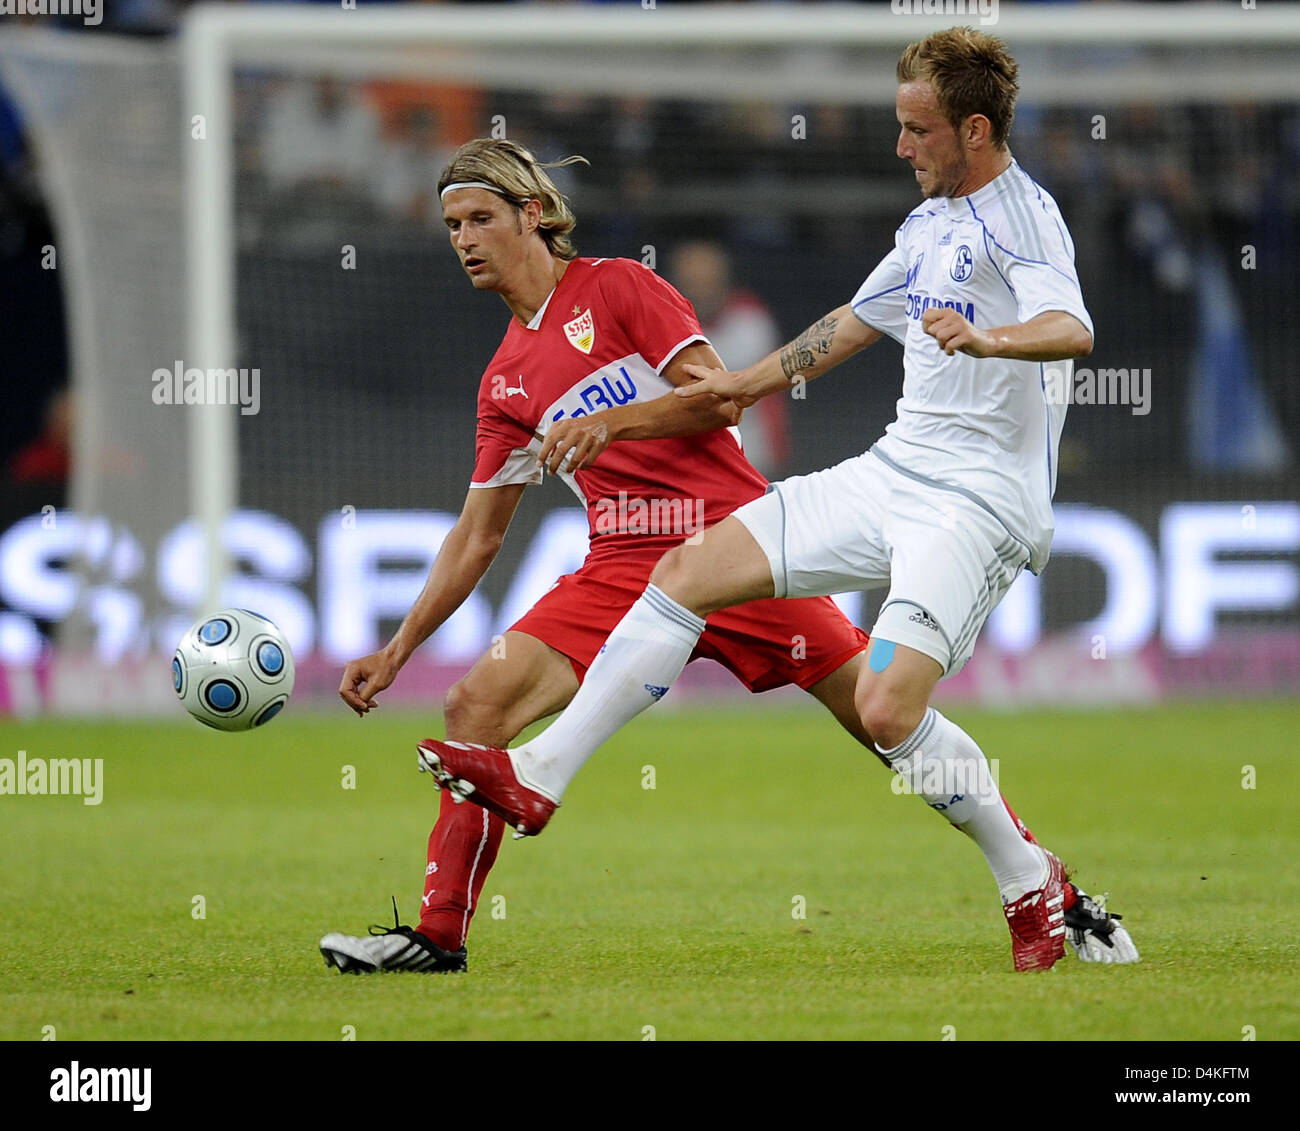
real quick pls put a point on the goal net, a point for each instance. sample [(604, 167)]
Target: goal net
[(248, 215)]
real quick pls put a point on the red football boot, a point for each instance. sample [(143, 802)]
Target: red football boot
[(487, 776), (1037, 922)]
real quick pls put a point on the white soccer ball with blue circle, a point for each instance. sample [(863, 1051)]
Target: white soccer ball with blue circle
[(233, 670)]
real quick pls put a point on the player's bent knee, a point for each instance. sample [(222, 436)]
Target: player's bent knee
[(886, 716), (470, 714), (455, 705), (671, 575)]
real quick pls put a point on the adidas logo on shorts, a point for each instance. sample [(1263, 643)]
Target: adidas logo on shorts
[(924, 618)]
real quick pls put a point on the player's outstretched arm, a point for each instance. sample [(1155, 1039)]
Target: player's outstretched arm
[(1053, 335), (462, 561), (830, 340), (576, 443)]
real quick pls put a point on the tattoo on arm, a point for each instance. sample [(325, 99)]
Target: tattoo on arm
[(805, 350)]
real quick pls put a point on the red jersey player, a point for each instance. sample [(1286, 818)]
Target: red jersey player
[(590, 357)]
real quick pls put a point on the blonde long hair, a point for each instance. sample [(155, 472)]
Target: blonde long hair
[(515, 174)]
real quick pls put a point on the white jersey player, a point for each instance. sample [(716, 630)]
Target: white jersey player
[(945, 509), (997, 256)]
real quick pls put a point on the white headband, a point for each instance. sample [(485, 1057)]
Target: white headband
[(471, 184)]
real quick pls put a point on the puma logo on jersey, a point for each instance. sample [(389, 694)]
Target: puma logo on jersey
[(656, 693), (501, 391)]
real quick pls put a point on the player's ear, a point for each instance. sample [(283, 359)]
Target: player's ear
[(976, 131), (532, 210)]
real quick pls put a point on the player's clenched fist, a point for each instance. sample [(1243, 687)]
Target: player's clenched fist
[(574, 444), (953, 332), (365, 678)]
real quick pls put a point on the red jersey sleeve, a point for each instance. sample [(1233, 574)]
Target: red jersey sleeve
[(658, 320), (500, 447)]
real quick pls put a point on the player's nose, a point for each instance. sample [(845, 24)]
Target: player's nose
[(903, 150)]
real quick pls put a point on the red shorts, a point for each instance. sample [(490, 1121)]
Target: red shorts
[(764, 644)]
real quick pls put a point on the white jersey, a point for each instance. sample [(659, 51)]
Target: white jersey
[(984, 426)]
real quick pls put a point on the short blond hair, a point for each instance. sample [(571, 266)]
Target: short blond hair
[(971, 72), (517, 176)]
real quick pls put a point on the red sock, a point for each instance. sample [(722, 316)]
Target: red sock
[(462, 849)]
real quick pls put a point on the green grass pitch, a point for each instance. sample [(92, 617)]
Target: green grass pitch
[(669, 911)]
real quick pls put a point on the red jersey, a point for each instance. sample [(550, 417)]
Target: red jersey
[(602, 339)]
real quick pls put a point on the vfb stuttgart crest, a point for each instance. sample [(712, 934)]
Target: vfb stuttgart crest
[(581, 332)]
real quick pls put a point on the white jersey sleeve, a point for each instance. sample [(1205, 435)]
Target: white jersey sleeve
[(1040, 272), (881, 301)]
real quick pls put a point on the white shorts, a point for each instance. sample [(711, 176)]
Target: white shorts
[(862, 524)]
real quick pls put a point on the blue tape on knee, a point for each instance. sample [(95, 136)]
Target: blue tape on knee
[(882, 655)]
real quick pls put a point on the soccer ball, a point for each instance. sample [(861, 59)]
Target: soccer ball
[(233, 670)]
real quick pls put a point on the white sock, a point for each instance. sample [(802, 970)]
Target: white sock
[(942, 763), (644, 654)]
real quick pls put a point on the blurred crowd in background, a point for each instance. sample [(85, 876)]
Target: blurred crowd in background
[(1165, 203)]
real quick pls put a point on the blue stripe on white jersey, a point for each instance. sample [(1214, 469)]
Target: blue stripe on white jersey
[(1023, 258)]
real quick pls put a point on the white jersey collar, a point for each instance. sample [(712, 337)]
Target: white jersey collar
[(536, 322), (995, 188)]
